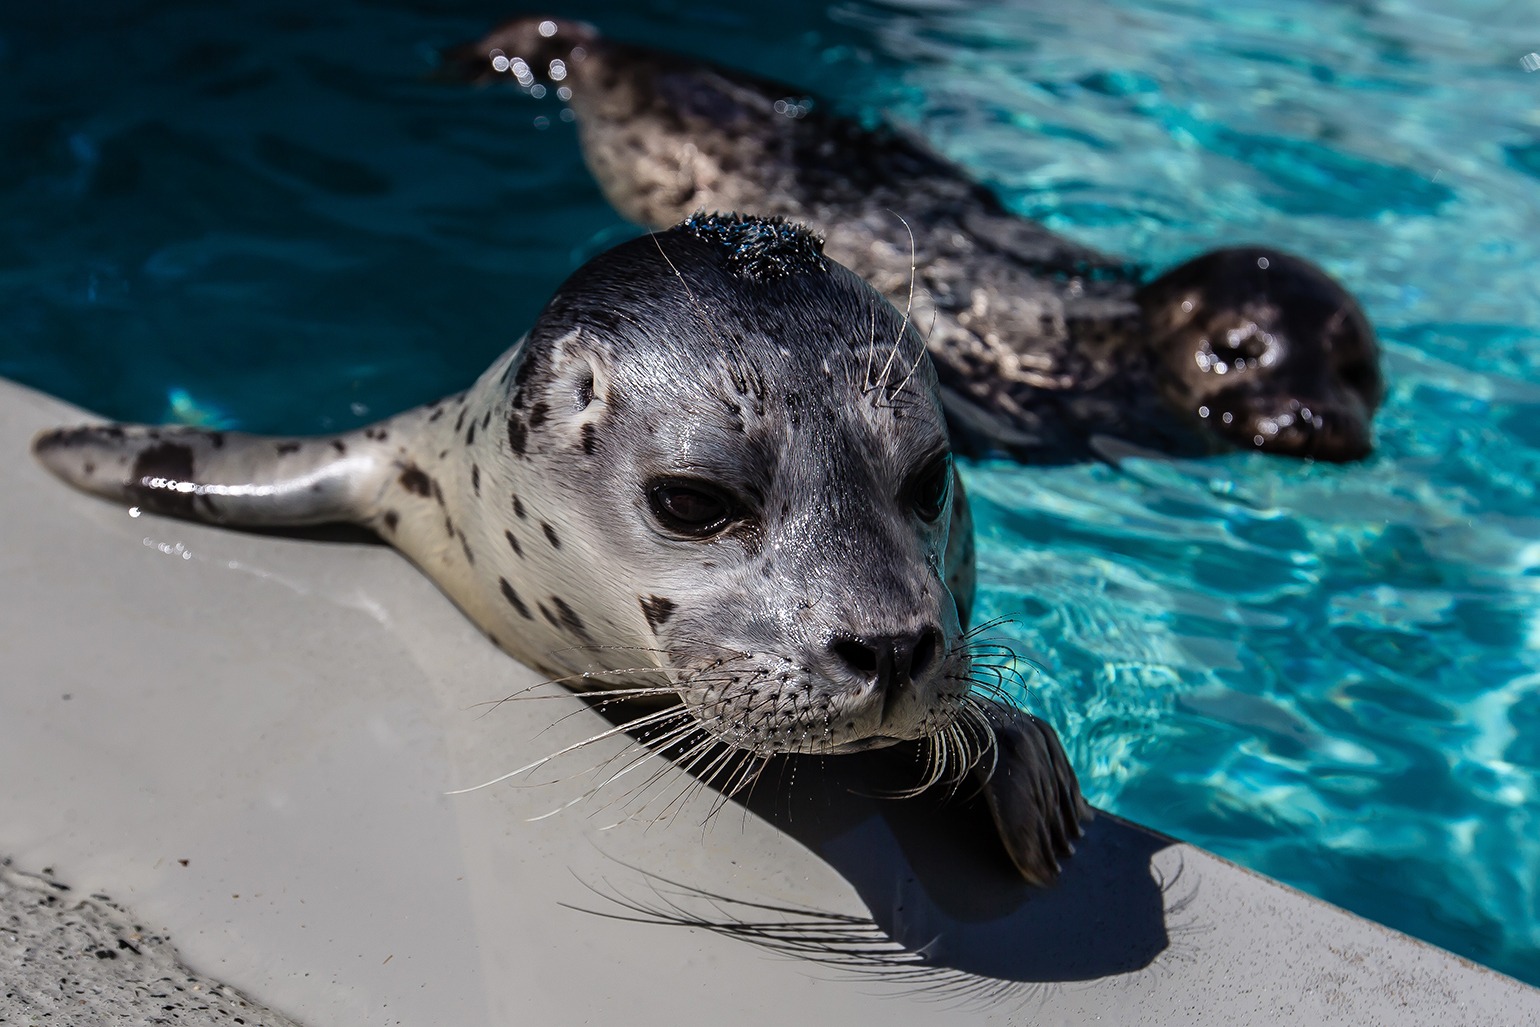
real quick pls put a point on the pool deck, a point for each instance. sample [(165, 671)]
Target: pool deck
[(248, 741)]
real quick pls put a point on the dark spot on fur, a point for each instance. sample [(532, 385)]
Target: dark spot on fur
[(217, 439), (470, 435), (460, 421), (569, 617), (449, 526), (90, 468), (518, 507), (486, 419), (465, 545), (548, 615), (158, 472), (550, 535), (475, 479), (537, 415), (438, 492), (339, 445), (391, 520), (590, 437), (657, 610), (416, 481), (518, 435), (513, 598), (285, 448), (513, 543), (437, 413)]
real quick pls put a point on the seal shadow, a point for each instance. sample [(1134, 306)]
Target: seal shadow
[(931, 870), (948, 911)]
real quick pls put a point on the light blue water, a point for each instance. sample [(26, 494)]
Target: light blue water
[(262, 216)]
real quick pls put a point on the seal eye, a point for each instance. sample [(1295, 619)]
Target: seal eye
[(932, 487), (690, 508)]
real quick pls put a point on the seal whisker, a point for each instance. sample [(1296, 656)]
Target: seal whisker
[(908, 304), (524, 693), (609, 733), (642, 751), (680, 766), (637, 756), (746, 771)]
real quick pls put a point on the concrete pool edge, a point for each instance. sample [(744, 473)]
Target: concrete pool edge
[(247, 740)]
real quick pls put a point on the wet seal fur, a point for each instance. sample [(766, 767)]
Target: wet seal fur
[(715, 472), (1040, 344)]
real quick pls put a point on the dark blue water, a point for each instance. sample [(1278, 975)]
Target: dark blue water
[(263, 215)]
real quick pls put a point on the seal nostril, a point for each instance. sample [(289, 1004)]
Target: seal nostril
[(888, 660), (858, 656), (925, 648)]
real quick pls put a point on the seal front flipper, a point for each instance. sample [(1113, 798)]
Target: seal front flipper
[(226, 478), (1032, 793)]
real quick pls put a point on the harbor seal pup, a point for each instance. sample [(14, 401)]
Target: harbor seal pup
[(1040, 344), (715, 470)]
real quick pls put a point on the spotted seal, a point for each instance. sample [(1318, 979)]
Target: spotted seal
[(717, 470), (1040, 344)]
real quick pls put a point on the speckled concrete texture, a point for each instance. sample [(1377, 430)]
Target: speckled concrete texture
[(250, 742), (81, 959)]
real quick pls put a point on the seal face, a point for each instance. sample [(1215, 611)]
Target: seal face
[(771, 476), (1040, 343), (717, 470)]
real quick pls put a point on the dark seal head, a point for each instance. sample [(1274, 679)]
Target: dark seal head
[(1266, 350)]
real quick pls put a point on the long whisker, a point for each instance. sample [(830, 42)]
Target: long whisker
[(542, 761)]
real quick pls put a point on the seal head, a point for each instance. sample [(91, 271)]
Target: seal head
[(1266, 350), (775, 472)]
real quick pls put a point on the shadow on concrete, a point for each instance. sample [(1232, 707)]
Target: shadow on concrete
[(948, 912)]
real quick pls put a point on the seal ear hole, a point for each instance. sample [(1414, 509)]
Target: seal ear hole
[(584, 392)]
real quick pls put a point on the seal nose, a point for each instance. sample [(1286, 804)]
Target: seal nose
[(1337, 431), (888, 662)]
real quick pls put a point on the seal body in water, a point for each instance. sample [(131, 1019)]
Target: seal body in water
[(715, 471), (1040, 344)]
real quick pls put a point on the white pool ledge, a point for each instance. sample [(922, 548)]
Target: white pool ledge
[(247, 741)]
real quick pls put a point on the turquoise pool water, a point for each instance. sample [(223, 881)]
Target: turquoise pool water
[(262, 216)]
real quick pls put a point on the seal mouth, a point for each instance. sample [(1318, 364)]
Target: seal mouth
[(1332, 430), (863, 744)]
